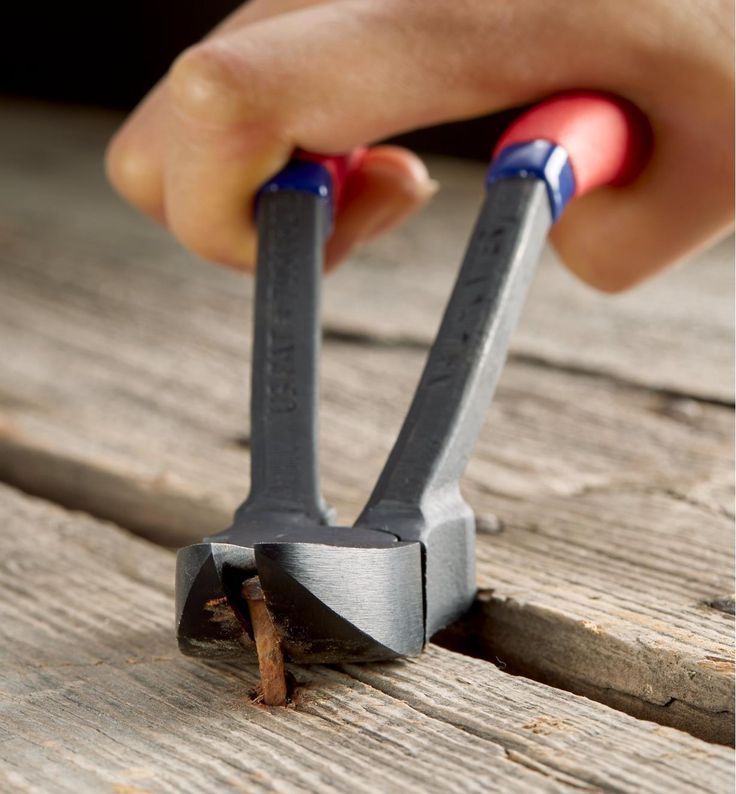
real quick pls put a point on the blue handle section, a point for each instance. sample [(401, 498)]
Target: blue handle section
[(305, 176), (537, 160)]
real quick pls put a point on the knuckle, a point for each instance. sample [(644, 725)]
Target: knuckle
[(212, 84)]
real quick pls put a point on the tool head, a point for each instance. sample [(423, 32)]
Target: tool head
[(336, 595)]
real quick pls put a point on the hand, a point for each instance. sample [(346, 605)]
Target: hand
[(328, 75)]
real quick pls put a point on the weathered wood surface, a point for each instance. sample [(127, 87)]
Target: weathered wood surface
[(94, 696), (124, 391)]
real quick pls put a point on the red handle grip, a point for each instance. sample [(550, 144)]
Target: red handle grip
[(607, 139)]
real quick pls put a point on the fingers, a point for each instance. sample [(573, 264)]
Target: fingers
[(613, 239), (683, 201), (135, 156), (327, 76), (306, 69), (391, 184), (236, 106)]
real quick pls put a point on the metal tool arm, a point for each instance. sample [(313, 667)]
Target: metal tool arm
[(553, 153), (468, 354), (292, 225), (559, 150)]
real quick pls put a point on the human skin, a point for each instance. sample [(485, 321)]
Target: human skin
[(329, 75)]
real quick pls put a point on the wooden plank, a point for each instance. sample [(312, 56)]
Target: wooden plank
[(94, 696), (673, 334), (128, 398)]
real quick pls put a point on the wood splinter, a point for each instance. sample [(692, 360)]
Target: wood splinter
[(274, 689)]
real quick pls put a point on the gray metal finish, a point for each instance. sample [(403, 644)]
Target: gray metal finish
[(286, 342), (280, 532), (406, 569), (344, 603), (417, 495)]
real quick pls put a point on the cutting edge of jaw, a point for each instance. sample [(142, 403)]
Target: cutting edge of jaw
[(211, 622), (330, 603)]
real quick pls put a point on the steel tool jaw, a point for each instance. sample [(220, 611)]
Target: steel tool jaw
[(331, 602), (344, 603)]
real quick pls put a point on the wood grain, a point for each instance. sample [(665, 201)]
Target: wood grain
[(95, 697), (605, 501)]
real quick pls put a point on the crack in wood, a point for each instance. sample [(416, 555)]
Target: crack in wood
[(519, 758), (723, 604)]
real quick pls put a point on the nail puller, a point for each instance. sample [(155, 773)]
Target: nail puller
[(381, 588)]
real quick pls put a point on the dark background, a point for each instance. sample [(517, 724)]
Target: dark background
[(109, 53)]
